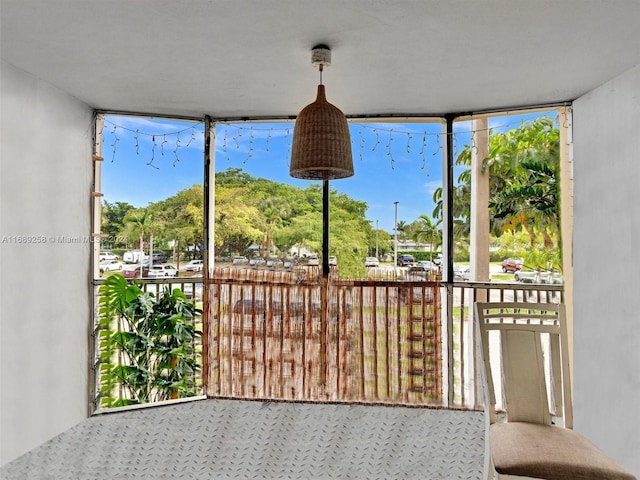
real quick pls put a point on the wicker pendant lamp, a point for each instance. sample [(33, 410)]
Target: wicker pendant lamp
[(321, 148)]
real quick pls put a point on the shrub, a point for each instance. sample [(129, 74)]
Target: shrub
[(147, 344)]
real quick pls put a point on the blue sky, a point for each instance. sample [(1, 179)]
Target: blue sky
[(147, 160)]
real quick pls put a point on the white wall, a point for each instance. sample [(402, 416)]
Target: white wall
[(606, 133), (46, 182)]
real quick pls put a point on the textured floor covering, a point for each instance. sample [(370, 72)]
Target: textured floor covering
[(233, 439)]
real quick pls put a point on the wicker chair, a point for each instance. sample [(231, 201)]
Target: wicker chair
[(534, 438)]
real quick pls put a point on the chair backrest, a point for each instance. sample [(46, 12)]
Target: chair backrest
[(524, 346)]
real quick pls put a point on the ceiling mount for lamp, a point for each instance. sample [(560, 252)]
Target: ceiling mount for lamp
[(321, 148), (321, 56)]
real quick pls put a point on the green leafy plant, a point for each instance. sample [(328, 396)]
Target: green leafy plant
[(147, 344)]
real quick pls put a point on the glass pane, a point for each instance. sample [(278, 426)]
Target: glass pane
[(385, 211), (153, 199), (517, 158)]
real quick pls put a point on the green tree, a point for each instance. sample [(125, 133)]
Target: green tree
[(113, 219), (236, 220), (427, 231), (383, 239), (140, 224), (401, 227), (182, 219), (274, 210), (523, 164)]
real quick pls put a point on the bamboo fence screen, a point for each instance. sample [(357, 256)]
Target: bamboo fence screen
[(297, 336)]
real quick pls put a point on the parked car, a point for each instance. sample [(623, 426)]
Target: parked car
[(457, 273), (289, 263), (553, 278), (313, 261), (461, 273), (527, 276), (333, 261), (109, 266), (511, 265), (427, 265), (133, 256), (240, 260), (193, 266), (371, 262), (163, 270), (257, 262), (274, 263), (466, 274), (405, 260), (424, 269), (133, 271), (160, 258), (108, 256)]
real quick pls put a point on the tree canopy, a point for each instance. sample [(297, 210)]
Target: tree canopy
[(523, 164), (252, 211)]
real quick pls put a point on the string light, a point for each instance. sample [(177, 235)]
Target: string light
[(424, 142), (115, 140), (153, 153), (164, 140), (266, 143), (235, 139), (377, 140), (389, 148), (439, 145), (224, 144), (254, 133), (250, 145), (138, 137), (288, 157), (193, 136), (175, 151)]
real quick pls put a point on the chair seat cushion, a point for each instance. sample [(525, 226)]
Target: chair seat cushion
[(548, 452)]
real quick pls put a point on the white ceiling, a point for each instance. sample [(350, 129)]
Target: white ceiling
[(252, 58)]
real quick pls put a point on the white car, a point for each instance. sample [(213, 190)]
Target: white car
[(110, 265), (274, 263), (193, 266), (240, 260), (371, 262), (425, 266), (527, 276), (107, 256), (134, 256), (163, 270)]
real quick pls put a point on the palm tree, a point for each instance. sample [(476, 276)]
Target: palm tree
[(428, 231), (273, 210), (401, 227), (141, 224)]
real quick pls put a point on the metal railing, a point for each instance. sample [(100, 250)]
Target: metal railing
[(462, 375), (193, 288), (289, 336)]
